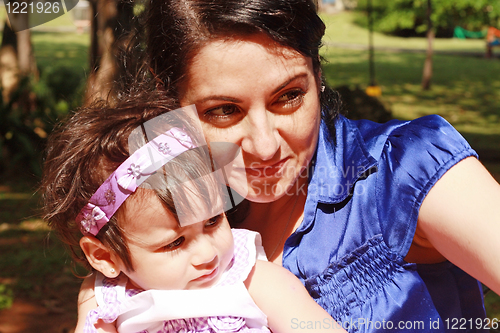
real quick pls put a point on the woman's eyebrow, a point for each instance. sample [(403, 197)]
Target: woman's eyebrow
[(287, 82), (220, 98), (236, 100)]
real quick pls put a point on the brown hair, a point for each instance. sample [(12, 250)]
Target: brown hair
[(177, 29), (83, 151)]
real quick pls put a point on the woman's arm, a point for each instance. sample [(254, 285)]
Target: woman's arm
[(285, 301), (460, 218), (86, 303)]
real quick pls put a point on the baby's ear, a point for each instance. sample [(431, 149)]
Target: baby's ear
[(100, 257)]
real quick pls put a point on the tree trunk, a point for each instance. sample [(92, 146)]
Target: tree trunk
[(25, 55), (9, 65), (427, 73), (16, 56), (110, 25), (317, 4)]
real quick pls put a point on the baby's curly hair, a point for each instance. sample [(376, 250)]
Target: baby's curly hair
[(85, 149)]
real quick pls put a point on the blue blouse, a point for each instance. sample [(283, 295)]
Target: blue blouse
[(365, 190)]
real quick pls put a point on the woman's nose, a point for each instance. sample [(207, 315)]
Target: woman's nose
[(261, 137), (204, 252)]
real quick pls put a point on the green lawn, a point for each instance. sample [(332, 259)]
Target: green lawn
[(61, 49), (342, 30), (465, 89)]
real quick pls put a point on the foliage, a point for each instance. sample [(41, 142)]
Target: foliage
[(19, 140), (6, 298), (24, 124), (492, 304), (407, 17), (341, 29)]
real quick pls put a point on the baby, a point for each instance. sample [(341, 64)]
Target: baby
[(133, 192)]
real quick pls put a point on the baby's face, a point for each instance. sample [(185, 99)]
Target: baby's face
[(166, 256)]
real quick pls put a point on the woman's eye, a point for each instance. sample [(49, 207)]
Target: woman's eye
[(223, 115), (175, 244), (223, 110), (290, 99)]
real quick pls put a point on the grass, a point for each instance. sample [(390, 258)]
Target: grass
[(470, 102), (465, 90), (61, 49), (342, 30), (43, 259), (34, 264)]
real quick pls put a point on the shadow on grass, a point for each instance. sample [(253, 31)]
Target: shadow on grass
[(465, 90), (38, 290), (35, 270), (17, 207)]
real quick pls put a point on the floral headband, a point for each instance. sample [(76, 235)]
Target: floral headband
[(143, 163)]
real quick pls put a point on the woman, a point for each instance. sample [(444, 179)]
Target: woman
[(388, 226)]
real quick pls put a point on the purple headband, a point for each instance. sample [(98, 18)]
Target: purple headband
[(128, 176)]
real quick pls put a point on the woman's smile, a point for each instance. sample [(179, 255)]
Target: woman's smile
[(277, 169), (262, 97)]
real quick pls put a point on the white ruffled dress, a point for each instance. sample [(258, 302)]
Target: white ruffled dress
[(226, 307)]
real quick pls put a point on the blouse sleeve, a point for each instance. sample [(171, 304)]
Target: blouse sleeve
[(414, 157)]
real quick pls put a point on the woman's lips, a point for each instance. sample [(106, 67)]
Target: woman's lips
[(267, 171)]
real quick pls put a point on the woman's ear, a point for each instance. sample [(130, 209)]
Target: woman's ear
[(320, 82), (100, 257)]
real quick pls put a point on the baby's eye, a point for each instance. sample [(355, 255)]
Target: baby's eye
[(175, 244), (214, 221)]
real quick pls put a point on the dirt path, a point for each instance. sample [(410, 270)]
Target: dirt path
[(26, 316)]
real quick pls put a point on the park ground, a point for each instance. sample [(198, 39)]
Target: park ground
[(35, 272)]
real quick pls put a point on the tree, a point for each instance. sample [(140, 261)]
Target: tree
[(408, 17), (19, 134), (16, 54), (427, 73), (110, 28)]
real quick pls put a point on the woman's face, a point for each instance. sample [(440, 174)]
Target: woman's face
[(264, 98)]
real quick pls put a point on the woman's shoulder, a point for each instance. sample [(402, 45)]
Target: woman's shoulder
[(428, 127), (403, 141), (414, 153), (354, 149), (411, 157)]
